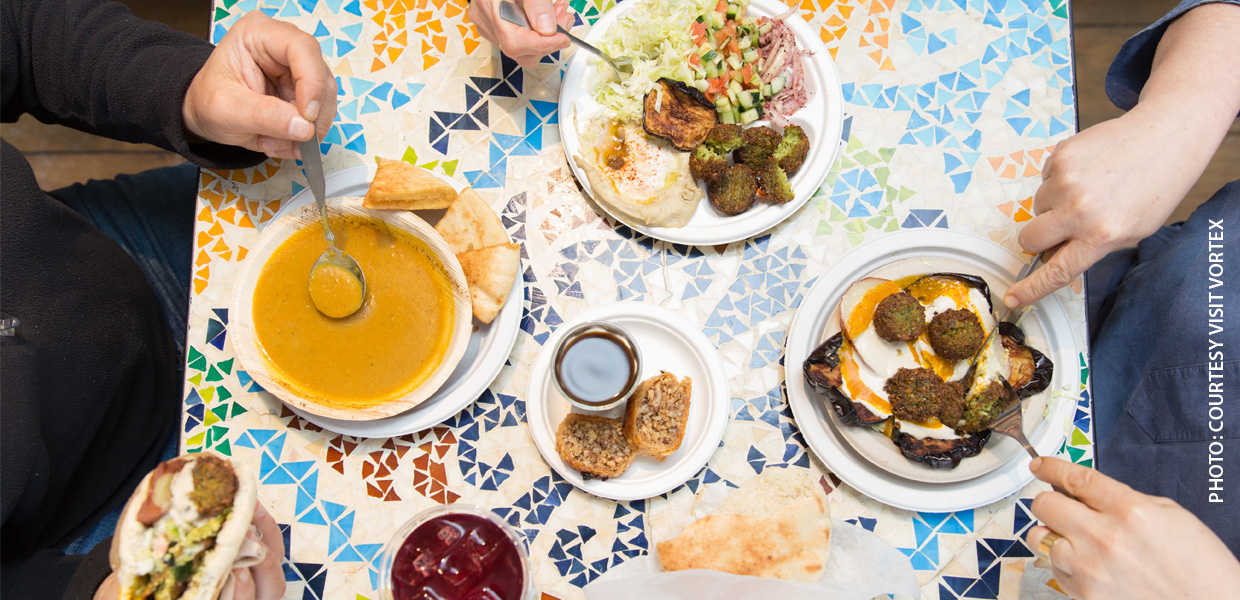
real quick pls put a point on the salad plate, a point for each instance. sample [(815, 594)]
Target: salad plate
[(822, 118)]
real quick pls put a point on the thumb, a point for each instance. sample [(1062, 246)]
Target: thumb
[(249, 113), (1068, 262), (541, 15)]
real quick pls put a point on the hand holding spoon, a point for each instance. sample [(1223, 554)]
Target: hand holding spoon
[(337, 286), (622, 65)]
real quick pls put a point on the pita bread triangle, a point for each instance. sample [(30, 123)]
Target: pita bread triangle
[(490, 273), (399, 185)]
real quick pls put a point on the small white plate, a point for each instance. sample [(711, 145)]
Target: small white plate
[(668, 343), (488, 350), (1047, 325), (822, 118)]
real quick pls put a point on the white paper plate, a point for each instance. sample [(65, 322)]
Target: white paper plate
[(878, 448), (822, 118), (488, 350), (1047, 325), (668, 343)]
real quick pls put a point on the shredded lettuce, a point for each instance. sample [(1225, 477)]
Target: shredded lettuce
[(655, 35)]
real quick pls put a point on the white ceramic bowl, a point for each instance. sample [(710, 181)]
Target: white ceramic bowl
[(255, 362)]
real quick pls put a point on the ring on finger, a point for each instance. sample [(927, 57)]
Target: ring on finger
[(1045, 544)]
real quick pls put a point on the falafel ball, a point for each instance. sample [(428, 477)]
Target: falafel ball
[(710, 159), (215, 486), (734, 192), (725, 137), (706, 163), (982, 408), (919, 394), (792, 149), (899, 318), (774, 185), (758, 147), (956, 334)]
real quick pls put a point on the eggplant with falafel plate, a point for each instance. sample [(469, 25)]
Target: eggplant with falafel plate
[(902, 364)]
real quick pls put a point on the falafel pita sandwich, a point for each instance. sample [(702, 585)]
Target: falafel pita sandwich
[(185, 529)]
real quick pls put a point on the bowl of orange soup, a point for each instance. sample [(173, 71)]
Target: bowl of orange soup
[(393, 353)]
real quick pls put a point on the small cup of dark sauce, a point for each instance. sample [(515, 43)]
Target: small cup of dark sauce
[(596, 365)]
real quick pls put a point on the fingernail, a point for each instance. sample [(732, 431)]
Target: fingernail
[(299, 128), (1011, 301), (546, 24), (268, 145), (244, 576), (260, 510), (312, 110), (1035, 464)]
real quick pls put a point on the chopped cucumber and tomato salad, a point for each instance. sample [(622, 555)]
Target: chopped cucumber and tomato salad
[(709, 44), (726, 60)]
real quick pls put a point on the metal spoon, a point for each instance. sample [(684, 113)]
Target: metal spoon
[(312, 166), (623, 65)]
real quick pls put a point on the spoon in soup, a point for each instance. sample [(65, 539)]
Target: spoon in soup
[(337, 286)]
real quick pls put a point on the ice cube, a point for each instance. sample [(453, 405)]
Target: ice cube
[(449, 533), (482, 548), (434, 590), (483, 593), (414, 569), (459, 569)]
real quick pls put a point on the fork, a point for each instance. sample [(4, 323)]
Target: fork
[(1010, 422), (622, 66)]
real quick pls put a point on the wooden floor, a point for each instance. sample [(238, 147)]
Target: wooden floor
[(61, 156)]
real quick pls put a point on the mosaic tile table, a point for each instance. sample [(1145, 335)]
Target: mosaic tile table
[(953, 105)]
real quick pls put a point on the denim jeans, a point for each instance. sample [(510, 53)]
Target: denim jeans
[(1155, 353), (151, 216)]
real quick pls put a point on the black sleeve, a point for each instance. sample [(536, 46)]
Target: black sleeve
[(52, 575), (93, 66)]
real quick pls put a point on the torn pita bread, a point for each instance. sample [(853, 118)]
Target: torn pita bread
[(399, 185), (490, 273), (777, 524), (470, 224)]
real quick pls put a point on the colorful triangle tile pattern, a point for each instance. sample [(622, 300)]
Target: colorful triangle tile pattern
[(952, 108)]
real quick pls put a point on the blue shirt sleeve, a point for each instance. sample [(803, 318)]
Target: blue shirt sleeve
[(1131, 67)]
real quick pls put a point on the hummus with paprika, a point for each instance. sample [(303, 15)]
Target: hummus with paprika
[(636, 177)]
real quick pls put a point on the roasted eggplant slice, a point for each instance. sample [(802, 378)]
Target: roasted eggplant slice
[(936, 453), (1031, 370), (682, 115), (822, 371)]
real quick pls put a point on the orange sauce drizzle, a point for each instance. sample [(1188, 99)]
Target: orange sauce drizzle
[(858, 390), (863, 313)]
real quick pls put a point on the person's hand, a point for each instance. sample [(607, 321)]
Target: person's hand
[(265, 580), (1115, 183), (1103, 189), (1119, 543), (110, 589), (261, 89), (524, 45)]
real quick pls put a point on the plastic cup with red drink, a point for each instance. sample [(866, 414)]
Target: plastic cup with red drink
[(455, 552)]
